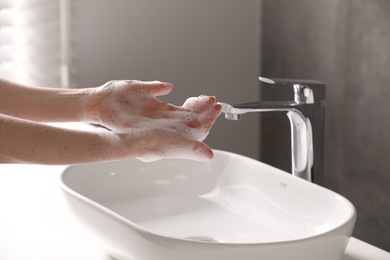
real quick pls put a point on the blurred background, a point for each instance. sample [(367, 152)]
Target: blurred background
[(220, 47)]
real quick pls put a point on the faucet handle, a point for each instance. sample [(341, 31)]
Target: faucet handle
[(305, 91)]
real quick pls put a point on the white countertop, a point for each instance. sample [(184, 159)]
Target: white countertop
[(35, 225)]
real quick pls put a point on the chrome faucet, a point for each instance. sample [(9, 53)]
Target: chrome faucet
[(306, 116)]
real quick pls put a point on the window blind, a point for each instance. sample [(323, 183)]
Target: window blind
[(32, 42)]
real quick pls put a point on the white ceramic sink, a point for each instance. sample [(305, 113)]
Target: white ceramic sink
[(232, 207)]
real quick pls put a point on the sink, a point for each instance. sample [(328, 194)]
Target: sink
[(231, 207)]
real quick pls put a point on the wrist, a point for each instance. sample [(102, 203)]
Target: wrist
[(88, 101), (65, 105), (123, 145)]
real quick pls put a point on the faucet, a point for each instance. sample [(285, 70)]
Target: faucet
[(306, 115)]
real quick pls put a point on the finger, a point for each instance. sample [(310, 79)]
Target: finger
[(215, 112), (191, 150), (200, 104), (166, 144), (185, 117), (157, 88), (173, 108), (192, 122), (213, 116), (200, 153)]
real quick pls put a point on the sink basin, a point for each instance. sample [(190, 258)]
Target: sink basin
[(232, 207)]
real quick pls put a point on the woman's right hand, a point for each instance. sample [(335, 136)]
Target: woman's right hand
[(149, 144)]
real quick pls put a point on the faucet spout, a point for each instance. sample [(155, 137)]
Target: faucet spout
[(306, 116)]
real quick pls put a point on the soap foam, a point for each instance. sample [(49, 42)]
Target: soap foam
[(200, 108), (197, 153)]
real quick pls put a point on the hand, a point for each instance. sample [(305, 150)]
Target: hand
[(206, 111), (125, 104), (121, 105), (152, 144), (131, 109)]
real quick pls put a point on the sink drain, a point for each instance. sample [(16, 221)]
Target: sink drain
[(204, 239)]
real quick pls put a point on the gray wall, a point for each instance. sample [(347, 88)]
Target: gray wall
[(345, 43), (203, 47)]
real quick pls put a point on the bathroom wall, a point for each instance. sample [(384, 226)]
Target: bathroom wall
[(203, 47), (345, 43)]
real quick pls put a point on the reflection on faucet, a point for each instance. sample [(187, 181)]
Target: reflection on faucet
[(306, 116)]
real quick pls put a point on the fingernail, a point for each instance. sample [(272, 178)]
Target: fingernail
[(212, 98)]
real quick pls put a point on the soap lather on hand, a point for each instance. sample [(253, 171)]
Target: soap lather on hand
[(139, 124), (126, 106)]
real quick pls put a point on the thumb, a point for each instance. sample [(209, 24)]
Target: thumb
[(157, 88)]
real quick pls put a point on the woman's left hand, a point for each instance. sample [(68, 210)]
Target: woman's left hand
[(120, 105)]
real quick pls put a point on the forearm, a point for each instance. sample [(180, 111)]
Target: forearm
[(42, 104), (142, 125), (24, 141)]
